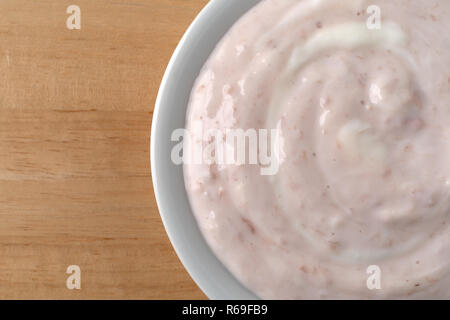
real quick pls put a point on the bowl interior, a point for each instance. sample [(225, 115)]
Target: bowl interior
[(170, 110)]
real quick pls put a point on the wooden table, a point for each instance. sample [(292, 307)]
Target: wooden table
[(75, 116)]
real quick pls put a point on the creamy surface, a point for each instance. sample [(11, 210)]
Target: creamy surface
[(364, 117)]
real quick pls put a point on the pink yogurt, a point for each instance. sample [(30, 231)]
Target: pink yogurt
[(364, 116)]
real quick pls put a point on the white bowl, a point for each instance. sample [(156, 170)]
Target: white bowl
[(169, 114)]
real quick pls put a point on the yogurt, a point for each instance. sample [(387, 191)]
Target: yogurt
[(362, 102)]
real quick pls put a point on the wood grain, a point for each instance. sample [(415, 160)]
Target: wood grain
[(75, 116)]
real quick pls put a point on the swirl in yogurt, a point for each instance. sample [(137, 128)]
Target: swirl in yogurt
[(365, 178)]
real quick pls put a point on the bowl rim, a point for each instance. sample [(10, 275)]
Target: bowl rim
[(219, 283)]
